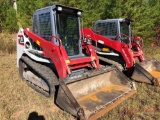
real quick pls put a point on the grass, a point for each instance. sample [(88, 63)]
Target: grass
[(7, 43), (20, 102)]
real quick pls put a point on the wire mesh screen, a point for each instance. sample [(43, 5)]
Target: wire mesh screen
[(35, 27), (106, 28), (111, 29), (45, 26)]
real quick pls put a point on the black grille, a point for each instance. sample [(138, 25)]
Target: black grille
[(35, 27), (106, 28), (45, 26)]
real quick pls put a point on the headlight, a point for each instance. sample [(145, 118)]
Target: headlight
[(59, 8), (79, 13)]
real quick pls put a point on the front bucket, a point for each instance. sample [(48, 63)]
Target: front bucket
[(148, 72), (99, 94)]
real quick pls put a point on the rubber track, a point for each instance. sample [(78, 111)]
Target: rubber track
[(46, 73), (112, 62)]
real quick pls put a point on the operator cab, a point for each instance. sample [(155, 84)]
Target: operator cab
[(115, 29), (62, 22)]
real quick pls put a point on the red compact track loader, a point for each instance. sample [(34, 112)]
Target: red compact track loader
[(113, 42), (55, 61)]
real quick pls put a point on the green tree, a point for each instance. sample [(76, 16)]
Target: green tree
[(92, 9), (145, 13), (142, 12), (26, 9), (8, 21)]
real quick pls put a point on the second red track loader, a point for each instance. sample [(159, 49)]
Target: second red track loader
[(55, 61), (112, 41)]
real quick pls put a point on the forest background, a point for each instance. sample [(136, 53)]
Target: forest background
[(144, 13)]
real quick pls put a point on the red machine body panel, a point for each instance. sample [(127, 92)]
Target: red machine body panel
[(137, 53), (121, 48), (60, 58)]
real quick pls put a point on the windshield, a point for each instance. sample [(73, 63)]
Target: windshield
[(68, 32), (125, 32)]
